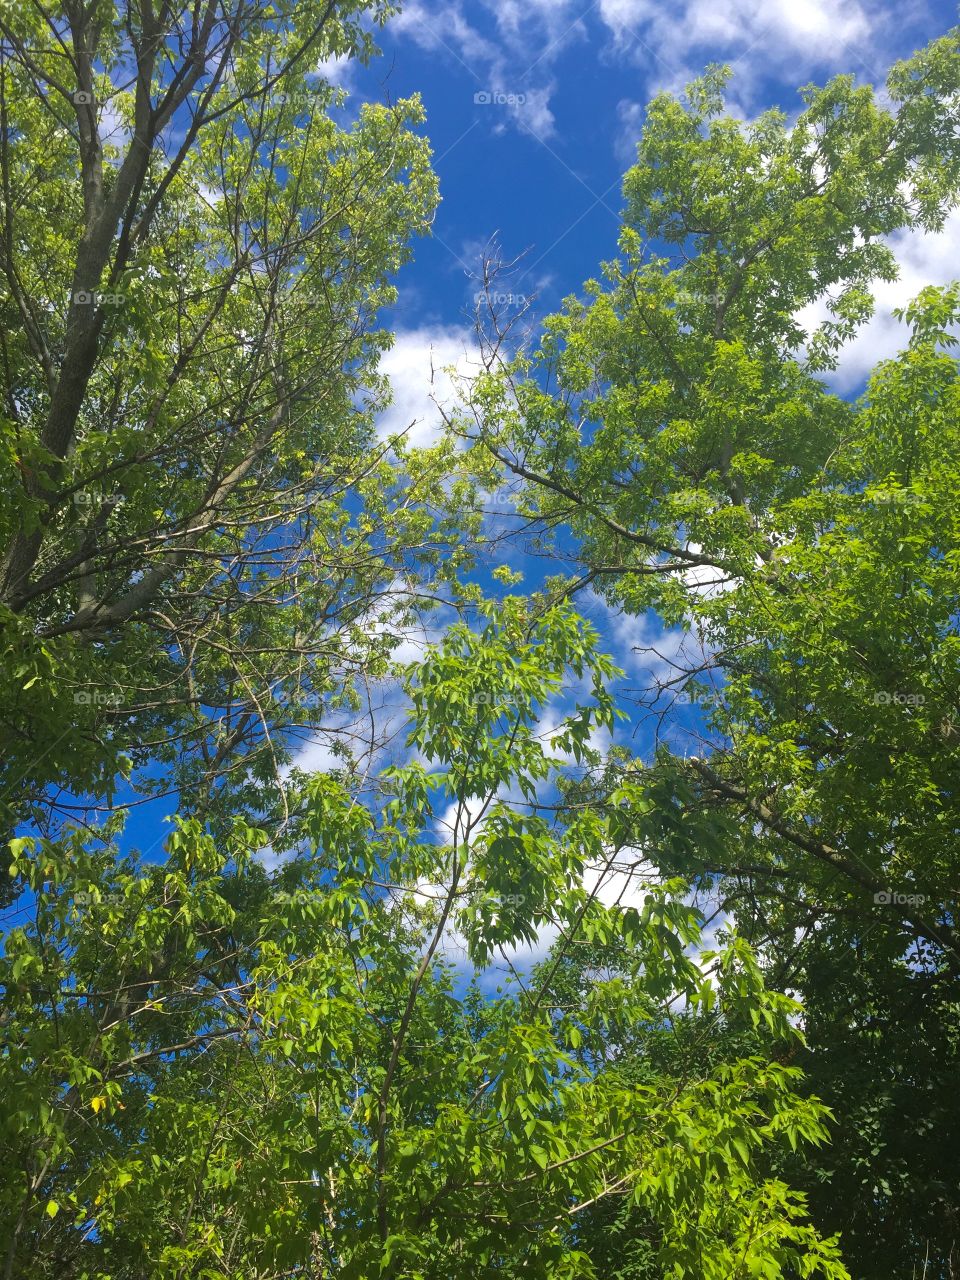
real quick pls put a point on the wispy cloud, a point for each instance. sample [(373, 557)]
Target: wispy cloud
[(507, 66), (757, 36)]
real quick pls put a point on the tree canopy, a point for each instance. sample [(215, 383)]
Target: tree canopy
[(677, 421), (284, 1046)]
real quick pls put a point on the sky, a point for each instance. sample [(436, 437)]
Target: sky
[(533, 113), (534, 108)]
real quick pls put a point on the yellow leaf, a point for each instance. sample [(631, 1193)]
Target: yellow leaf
[(98, 1104)]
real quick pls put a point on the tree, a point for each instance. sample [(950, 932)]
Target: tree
[(203, 542), (623, 1239), (215, 1072), (675, 429)]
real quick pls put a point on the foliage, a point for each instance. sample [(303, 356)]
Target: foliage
[(219, 1073), (300, 1043), (204, 543), (679, 422)]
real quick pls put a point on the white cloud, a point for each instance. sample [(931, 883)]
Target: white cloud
[(924, 259), (752, 35), (110, 124), (625, 15), (706, 581), (337, 71), (317, 754), (820, 22), (508, 47), (375, 732), (629, 128), (417, 365), (642, 646), (445, 27), (534, 113)]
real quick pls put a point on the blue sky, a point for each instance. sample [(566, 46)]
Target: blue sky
[(533, 112), (539, 159)]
